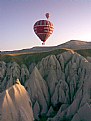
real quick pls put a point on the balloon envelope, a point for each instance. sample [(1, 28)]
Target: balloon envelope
[(47, 15), (43, 29)]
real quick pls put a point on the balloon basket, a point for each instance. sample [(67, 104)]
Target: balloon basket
[(43, 43)]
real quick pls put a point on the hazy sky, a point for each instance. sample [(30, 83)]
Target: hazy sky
[(71, 19)]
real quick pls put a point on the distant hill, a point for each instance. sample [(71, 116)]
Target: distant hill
[(76, 45), (72, 44)]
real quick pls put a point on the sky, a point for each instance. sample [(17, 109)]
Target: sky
[(71, 19)]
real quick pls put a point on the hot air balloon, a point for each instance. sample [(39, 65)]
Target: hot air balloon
[(43, 29), (47, 15)]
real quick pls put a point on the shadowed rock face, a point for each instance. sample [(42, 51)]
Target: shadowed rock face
[(59, 86), (15, 104)]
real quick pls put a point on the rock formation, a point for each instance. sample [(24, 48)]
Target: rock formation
[(15, 104), (59, 86), (67, 79)]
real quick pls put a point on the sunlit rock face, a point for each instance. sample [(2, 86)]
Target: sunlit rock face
[(15, 104), (59, 86)]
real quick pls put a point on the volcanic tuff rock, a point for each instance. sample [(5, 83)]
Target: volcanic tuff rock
[(59, 86), (15, 104), (67, 78), (9, 72)]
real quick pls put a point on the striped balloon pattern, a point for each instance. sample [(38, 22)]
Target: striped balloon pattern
[(43, 29)]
